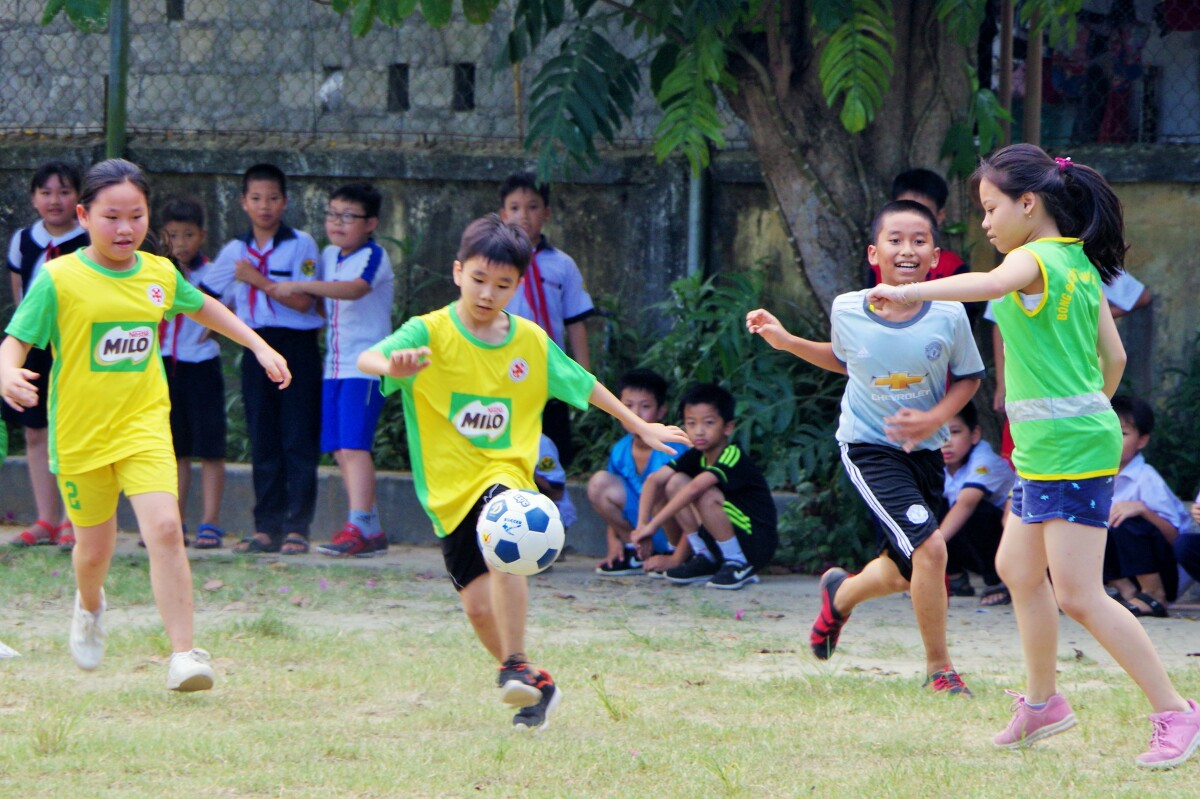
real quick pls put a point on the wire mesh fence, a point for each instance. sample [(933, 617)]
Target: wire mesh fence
[(292, 69)]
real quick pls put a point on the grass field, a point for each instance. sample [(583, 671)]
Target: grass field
[(342, 681)]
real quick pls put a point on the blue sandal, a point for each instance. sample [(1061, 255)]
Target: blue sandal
[(208, 536)]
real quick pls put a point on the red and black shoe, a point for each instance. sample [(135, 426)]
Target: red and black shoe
[(828, 625), (519, 683), (537, 715)]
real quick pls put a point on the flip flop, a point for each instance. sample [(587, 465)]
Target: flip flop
[(297, 542), (1115, 595), (208, 536), (34, 538), (1157, 609), (998, 591), (252, 546)]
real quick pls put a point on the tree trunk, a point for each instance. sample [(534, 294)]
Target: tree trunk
[(829, 183)]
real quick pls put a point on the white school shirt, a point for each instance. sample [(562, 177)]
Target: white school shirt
[(1141, 482), (41, 237), (293, 256), (985, 470), (567, 301), (356, 325), (181, 338)]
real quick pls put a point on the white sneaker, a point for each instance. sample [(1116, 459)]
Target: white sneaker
[(189, 671), (87, 636)]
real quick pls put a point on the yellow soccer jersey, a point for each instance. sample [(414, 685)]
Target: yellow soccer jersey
[(108, 394), (474, 416)]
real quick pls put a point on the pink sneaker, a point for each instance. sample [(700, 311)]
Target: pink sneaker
[(1176, 736), (1029, 725)]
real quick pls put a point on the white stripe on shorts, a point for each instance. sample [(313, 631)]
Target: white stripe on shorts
[(900, 538)]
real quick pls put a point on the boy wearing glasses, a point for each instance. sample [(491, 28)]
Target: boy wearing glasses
[(355, 281)]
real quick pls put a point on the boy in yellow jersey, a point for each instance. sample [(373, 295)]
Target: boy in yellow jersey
[(474, 380)]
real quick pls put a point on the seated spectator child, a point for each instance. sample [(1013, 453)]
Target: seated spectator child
[(192, 362), (616, 491), (551, 479), (1145, 522), (977, 485), (715, 495)]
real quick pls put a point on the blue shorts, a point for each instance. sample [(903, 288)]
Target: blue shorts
[(1079, 501), (350, 409)]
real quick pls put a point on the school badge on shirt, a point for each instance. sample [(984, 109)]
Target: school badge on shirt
[(308, 268), (518, 370)]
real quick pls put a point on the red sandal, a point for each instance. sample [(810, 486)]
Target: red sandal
[(65, 535), (33, 537)]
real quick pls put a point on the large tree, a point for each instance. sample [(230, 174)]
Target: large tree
[(838, 95)]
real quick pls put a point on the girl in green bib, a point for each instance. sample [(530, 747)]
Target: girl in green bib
[(1060, 227)]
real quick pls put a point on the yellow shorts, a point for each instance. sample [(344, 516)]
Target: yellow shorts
[(91, 497)]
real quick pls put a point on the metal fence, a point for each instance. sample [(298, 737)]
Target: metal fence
[(291, 69)]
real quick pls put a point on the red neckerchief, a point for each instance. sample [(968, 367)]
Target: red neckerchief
[(260, 259), (535, 295), (197, 262)]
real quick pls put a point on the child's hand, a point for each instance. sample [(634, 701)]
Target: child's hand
[(285, 288), (883, 294), (18, 389), (642, 533), (245, 271), (659, 435), (908, 427), (762, 322), (406, 363), (275, 366), (1121, 512)]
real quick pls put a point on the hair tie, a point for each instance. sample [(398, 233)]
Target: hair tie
[(1063, 163)]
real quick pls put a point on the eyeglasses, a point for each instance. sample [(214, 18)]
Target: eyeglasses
[(345, 217)]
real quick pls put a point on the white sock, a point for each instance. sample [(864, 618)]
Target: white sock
[(698, 546), (731, 550)]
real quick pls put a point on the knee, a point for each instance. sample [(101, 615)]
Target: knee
[(1074, 603), (600, 488), (476, 601), (163, 532), (931, 554)]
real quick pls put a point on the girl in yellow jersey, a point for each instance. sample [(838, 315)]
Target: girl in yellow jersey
[(99, 308), (1059, 225)]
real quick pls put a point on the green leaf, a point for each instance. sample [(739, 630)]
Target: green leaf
[(962, 18), (437, 12), (856, 62), (479, 12), (829, 15), (89, 16), (393, 12), (363, 17)]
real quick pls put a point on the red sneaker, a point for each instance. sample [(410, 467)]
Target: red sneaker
[(825, 630)]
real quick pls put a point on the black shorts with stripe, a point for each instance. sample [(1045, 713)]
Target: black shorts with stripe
[(903, 490)]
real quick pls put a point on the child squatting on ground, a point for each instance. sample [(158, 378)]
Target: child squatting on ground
[(474, 380), (109, 426), (1060, 227), (910, 370)]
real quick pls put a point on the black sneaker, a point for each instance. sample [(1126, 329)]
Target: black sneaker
[(518, 684), (537, 716), (629, 564), (732, 576), (698, 569), (828, 625)]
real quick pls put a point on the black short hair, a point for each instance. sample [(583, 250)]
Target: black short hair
[(644, 380), (265, 172), (523, 180), (709, 394), (1136, 411), (969, 414), (902, 207), (182, 208), (496, 241), (112, 172), (925, 182), (362, 193), (67, 173)]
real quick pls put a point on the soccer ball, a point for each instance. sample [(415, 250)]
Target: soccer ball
[(520, 532)]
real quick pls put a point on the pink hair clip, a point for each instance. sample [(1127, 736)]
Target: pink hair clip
[(1063, 163)]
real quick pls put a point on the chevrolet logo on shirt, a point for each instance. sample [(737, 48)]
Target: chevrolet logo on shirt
[(898, 381)]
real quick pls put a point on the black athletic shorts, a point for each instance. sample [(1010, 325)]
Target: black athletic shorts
[(460, 550), (903, 490), (197, 408)]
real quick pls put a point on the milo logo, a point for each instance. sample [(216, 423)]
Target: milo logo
[(484, 420), (121, 346)]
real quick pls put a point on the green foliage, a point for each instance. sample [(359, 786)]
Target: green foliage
[(1175, 444), (688, 99), (89, 16), (856, 62), (962, 18), (979, 131)]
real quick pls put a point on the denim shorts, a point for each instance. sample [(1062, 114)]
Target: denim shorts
[(1080, 501)]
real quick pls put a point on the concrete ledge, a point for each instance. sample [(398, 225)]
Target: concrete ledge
[(399, 510)]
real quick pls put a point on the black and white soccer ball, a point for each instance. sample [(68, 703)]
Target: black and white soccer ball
[(520, 532)]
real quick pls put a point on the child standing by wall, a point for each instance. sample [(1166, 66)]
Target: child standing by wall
[(357, 287), (192, 360), (54, 192), (101, 307), (474, 381), (1060, 226), (910, 371), (284, 427), (551, 293)]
